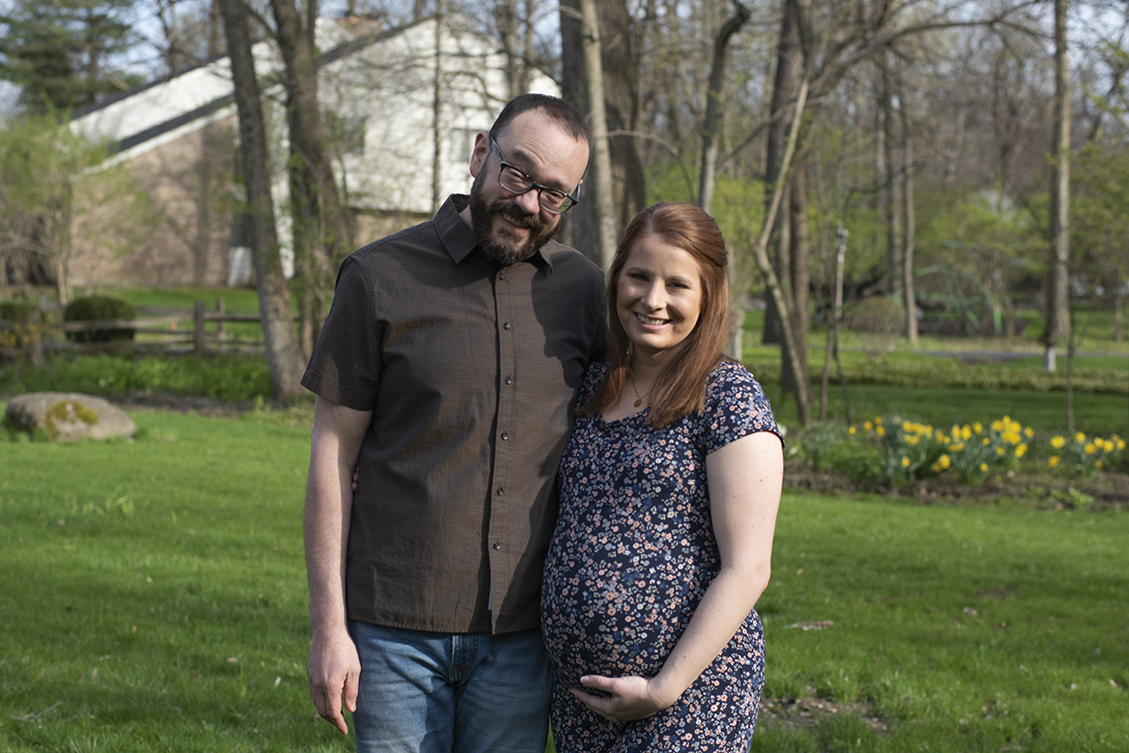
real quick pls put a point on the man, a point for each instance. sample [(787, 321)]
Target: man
[(445, 375)]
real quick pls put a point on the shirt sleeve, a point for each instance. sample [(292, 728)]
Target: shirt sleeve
[(346, 363), (736, 406)]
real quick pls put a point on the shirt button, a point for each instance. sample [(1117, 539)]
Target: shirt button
[(506, 325), (509, 380), (505, 436), (501, 491), (501, 275), (497, 545)]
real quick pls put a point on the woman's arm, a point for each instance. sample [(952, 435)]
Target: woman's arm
[(745, 477)]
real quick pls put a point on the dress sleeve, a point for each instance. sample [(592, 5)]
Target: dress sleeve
[(593, 377), (736, 406), (346, 363)]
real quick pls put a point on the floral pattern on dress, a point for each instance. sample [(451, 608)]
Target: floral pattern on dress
[(632, 556)]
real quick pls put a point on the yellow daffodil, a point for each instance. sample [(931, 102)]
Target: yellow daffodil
[(905, 462), (867, 425), (1029, 432), (1052, 461), (978, 427), (1058, 442), (878, 420), (1089, 449), (987, 441), (851, 430), (1021, 450), (1001, 451), (1079, 437), (983, 467), (880, 431)]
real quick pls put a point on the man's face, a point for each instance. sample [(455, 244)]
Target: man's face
[(512, 227)]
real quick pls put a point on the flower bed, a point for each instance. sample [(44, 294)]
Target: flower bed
[(891, 452)]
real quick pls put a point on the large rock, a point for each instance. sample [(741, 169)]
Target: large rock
[(67, 415)]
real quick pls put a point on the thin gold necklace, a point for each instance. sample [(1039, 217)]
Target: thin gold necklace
[(635, 389)]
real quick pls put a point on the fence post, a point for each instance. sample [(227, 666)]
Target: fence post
[(198, 319), (221, 325)]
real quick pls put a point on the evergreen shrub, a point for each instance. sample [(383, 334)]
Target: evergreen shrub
[(99, 308)]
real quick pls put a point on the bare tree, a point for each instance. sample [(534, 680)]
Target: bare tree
[(600, 172), (283, 358), (322, 234), (1058, 302)]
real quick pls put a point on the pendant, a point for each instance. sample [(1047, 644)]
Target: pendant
[(638, 402)]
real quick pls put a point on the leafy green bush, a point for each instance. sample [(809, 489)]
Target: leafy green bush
[(877, 314), (15, 312), (99, 308)]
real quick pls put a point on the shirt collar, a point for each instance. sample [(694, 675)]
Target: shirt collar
[(459, 239)]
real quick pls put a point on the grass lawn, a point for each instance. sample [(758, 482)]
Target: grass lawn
[(155, 599)]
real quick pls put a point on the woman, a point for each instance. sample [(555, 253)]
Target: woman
[(652, 575)]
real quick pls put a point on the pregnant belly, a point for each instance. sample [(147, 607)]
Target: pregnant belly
[(610, 621)]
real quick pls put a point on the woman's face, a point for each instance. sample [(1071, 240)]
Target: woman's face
[(658, 295)]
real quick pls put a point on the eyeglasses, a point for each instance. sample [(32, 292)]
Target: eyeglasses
[(517, 181)]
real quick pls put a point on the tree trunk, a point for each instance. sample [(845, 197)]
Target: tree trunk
[(621, 113), (437, 110), (505, 11), (798, 270), (1058, 302), (889, 185), (601, 168), (711, 138), (283, 359), (321, 225), (790, 60), (789, 345), (621, 103), (711, 126), (908, 287)]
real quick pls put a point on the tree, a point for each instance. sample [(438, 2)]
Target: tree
[(594, 219), (322, 233), (283, 358), (1058, 301), (63, 53), (600, 201), (48, 176), (788, 241)]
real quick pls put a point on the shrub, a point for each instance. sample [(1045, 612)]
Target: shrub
[(99, 308), (878, 314), (15, 312), (15, 324)]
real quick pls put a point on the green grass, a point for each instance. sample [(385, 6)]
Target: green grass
[(1043, 411), (966, 629), (159, 561)]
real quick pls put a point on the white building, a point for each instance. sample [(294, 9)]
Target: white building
[(377, 89)]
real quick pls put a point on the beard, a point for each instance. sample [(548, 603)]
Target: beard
[(502, 247)]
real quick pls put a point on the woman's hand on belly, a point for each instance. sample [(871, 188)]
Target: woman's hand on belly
[(628, 698)]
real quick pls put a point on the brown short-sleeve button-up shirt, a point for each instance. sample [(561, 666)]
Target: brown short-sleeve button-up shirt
[(470, 371)]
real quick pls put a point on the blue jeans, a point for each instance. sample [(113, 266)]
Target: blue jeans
[(450, 693)]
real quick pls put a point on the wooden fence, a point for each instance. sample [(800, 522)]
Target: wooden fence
[(158, 326)]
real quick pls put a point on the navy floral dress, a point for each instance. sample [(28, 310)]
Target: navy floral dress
[(631, 558)]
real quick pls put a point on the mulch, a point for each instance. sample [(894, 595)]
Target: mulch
[(1109, 490)]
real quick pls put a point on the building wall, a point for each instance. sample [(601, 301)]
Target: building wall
[(189, 183)]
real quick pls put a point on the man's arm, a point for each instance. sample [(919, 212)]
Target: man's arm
[(333, 668)]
